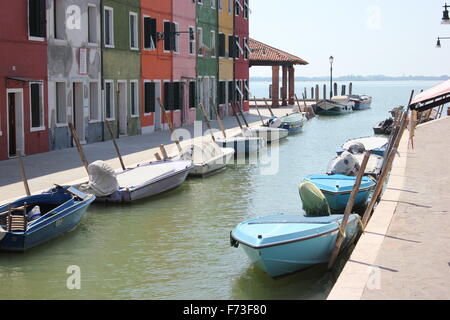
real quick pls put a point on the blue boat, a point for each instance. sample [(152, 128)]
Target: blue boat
[(337, 188), (376, 145), (33, 220), (283, 244), (293, 123)]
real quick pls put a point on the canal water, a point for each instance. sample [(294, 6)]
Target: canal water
[(176, 246)]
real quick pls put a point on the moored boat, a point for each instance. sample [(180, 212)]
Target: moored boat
[(376, 145), (357, 102), (266, 133), (293, 123), (143, 181), (283, 244), (337, 188), (329, 107), (36, 219), (242, 145), (348, 164)]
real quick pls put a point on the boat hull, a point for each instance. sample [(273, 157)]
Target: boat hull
[(270, 134), (338, 201), (38, 233), (298, 254), (242, 145), (212, 166), (327, 107)]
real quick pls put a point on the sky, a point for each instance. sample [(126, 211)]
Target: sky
[(365, 37)]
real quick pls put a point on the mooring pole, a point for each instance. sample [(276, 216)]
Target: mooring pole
[(22, 172)]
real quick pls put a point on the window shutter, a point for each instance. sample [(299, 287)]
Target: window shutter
[(147, 32), (42, 18), (167, 40), (153, 32), (35, 105), (172, 36)]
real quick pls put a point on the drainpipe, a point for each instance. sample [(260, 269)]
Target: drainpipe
[(102, 89)]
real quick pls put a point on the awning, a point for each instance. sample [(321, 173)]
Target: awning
[(433, 97)]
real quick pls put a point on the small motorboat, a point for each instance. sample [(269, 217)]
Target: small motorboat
[(33, 220), (143, 181), (283, 244), (337, 188), (267, 133), (384, 127), (242, 144), (357, 102), (293, 122), (376, 145), (330, 107), (207, 157)]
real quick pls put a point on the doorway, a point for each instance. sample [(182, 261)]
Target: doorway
[(78, 110), (123, 107), (15, 121)]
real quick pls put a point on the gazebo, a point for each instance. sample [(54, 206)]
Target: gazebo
[(264, 55)]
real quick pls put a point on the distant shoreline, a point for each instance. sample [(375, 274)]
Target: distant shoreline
[(362, 78)]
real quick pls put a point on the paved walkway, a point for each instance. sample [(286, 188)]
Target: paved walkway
[(405, 253), (64, 166)]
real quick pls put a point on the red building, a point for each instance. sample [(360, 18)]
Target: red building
[(242, 52), (23, 77)]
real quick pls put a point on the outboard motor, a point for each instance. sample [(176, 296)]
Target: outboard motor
[(356, 148), (314, 202)]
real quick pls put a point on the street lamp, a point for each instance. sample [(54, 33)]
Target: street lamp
[(331, 76), (445, 18), (438, 43)]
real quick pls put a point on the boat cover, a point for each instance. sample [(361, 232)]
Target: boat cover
[(102, 180), (141, 175), (345, 164), (369, 143), (202, 152), (314, 202)]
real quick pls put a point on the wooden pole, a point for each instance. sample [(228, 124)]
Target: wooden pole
[(79, 147), (239, 108), (115, 145), (207, 121), (335, 89), (350, 88), (317, 92), (259, 113), (236, 116), (312, 93), (268, 106), (163, 110), (220, 120), (300, 109), (348, 210), (306, 93), (22, 172), (163, 151), (384, 172), (158, 157), (324, 91), (343, 89)]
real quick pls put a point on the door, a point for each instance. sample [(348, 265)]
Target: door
[(157, 94), (123, 108), (78, 110), (12, 124)]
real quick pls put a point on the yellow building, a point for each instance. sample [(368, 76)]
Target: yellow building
[(227, 49)]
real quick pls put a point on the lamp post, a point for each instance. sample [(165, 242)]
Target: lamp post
[(331, 76), (438, 43), (445, 17)]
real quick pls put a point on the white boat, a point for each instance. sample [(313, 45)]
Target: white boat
[(207, 157), (358, 102), (376, 145), (142, 181), (330, 107), (349, 164), (266, 133), (242, 145)]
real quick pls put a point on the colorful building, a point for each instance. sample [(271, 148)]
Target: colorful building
[(74, 71), (156, 63), (242, 52), (184, 62), (227, 52), (121, 29), (23, 78), (207, 54)]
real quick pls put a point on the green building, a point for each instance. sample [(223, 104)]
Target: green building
[(207, 55), (121, 66)]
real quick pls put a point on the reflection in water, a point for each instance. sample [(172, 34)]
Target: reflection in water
[(176, 246)]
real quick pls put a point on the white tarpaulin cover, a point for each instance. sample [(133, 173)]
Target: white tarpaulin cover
[(203, 152), (345, 164), (102, 180)]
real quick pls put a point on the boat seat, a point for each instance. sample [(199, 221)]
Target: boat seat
[(17, 222)]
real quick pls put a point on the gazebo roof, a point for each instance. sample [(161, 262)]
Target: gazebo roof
[(264, 55)]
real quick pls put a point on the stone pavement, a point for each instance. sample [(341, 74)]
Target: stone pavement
[(405, 251), (65, 167)]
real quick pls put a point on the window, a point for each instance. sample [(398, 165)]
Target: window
[(230, 7), (176, 38), (231, 46), (222, 92), (109, 99), (61, 105), (133, 31), (37, 18), (94, 114), (109, 27), (59, 17), (177, 95), (246, 90), (221, 45), (134, 94), (149, 97), (246, 49), (200, 41), (239, 94), (149, 33), (92, 24), (213, 44), (37, 106), (168, 95), (231, 91), (191, 41), (246, 9), (192, 90), (167, 36), (237, 7)]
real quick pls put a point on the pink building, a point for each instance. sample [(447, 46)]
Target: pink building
[(184, 62)]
